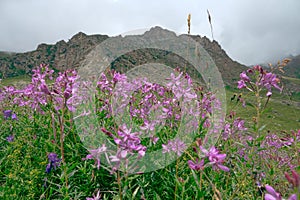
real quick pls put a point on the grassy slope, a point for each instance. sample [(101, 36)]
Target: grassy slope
[(281, 113), (16, 81)]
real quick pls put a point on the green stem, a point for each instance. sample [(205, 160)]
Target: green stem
[(176, 185), (258, 106), (62, 151), (119, 184)]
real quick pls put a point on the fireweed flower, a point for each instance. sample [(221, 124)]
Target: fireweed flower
[(174, 81), (197, 165), (263, 80), (226, 132), (53, 162), (241, 84), (239, 124), (294, 180), (272, 194), (293, 197), (216, 159), (270, 80), (150, 126), (244, 77), (96, 154), (176, 146), (97, 197), (129, 141)]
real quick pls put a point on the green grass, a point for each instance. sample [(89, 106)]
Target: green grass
[(280, 114), (16, 81), (294, 80), (23, 161)]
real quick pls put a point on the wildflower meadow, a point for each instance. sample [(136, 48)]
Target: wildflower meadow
[(45, 155)]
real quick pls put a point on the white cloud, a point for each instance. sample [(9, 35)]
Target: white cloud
[(251, 31)]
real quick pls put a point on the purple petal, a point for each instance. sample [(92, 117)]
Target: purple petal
[(293, 197), (270, 197), (224, 168)]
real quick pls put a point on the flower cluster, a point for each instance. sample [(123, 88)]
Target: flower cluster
[(176, 146), (153, 105), (40, 93), (8, 114), (294, 180), (235, 129), (215, 159), (262, 79), (10, 138), (96, 154), (97, 197), (273, 195), (128, 142), (54, 162), (274, 148)]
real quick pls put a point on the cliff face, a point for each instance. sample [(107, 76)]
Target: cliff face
[(229, 69), (292, 69), (63, 55), (59, 56)]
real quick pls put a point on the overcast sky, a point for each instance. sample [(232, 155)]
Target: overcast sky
[(250, 31)]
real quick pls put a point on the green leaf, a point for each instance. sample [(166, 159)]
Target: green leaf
[(135, 192), (250, 104), (262, 128)]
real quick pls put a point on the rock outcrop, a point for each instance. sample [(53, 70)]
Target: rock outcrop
[(64, 55)]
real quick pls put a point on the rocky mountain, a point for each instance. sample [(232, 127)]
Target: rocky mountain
[(292, 69), (290, 74), (70, 54), (59, 56)]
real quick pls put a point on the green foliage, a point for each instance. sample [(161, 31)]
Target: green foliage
[(23, 162)]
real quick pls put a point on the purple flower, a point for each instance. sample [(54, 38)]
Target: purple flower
[(14, 116), (7, 114), (196, 165), (48, 168), (94, 197), (44, 88), (241, 84), (239, 124), (130, 141), (294, 180), (120, 155), (226, 132), (54, 162), (269, 94), (293, 197), (272, 194), (216, 159), (96, 154), (10, 138), (269, 80), (148, 125), (244, 77), (174, 81), (176, 146)]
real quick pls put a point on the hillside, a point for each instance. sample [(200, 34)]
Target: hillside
[(292, 69), (63, 55), (70, 54)]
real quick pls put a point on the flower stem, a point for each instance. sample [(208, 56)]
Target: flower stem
[(119, 184), (176, 185)]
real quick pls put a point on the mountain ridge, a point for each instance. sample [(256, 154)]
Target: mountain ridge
[(70, 54)]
